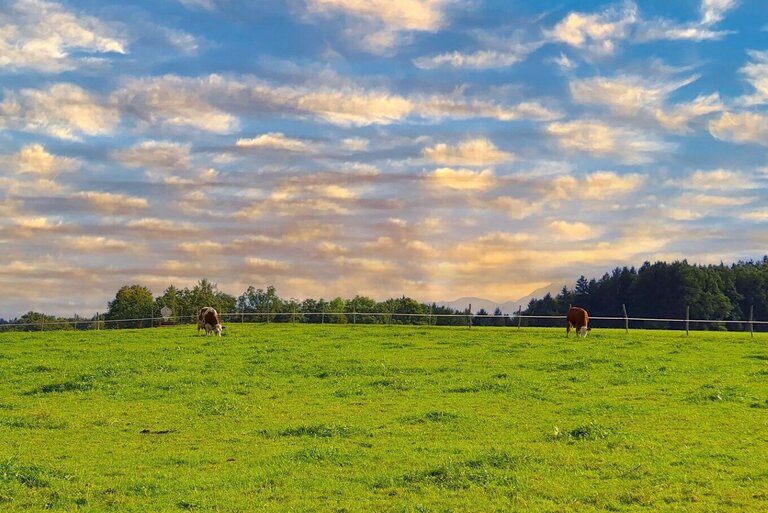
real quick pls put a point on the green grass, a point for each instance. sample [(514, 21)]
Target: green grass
[(376, 419)]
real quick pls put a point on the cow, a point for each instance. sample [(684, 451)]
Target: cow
[(209, 320), (578, 318)]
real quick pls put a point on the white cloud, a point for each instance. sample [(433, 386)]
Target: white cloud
[(607, 184), (177, 102), (355, 143), (471, 152), (600, 33), (573, 230), (275, 141), (717, 179), (44, 36), (63, 110), (34, 159), (597, 138), (630, 95), (625, 94), (451, 106), (481, 59), (741, 128), (110, 203), (596, 33), (759, 216), (155, 155), (379, 26), (713, 11), (461, 179), (757, 75)]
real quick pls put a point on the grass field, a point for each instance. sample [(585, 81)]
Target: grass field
[(377, 418)]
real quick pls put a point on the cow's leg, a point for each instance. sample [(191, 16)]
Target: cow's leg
[(567, 328)]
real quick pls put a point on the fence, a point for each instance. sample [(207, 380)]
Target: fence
[(516, 320)]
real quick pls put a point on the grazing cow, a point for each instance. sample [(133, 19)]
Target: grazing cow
[(578, 318), (209, 320)]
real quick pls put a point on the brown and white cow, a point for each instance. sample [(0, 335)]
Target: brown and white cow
[(578, 318), (209, 320)]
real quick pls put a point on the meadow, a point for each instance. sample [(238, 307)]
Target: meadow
[(383, 419)]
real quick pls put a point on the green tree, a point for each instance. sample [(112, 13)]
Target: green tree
[(131, 302)]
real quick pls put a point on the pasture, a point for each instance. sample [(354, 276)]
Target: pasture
[(383, 418)]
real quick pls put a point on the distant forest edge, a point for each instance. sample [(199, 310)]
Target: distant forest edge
[(658, 290)]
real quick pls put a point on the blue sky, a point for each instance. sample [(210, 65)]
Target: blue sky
[(432, 148)]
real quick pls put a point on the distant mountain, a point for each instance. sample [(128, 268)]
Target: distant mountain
[(507, 307)]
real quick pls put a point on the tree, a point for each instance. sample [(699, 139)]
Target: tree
[(172, 298), (131, 302)]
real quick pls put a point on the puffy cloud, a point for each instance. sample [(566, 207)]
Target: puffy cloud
[(98, 244), (44, 36), (350, 106), (717, 179), (355, 143), (629, 95), (625, 94), (713, 11), (757, 75), (759, 216), (678, 117), (381, 25), (175, 101), (742, 128), (471, 152), (515, 208), (155, 155), (573, 230), (595, 137), (63, 110), (110, 203), (461, 179), (34, 159), (596, 32), (597, 185), (599, 33), (161, 228), (442, 107), (275, 141)]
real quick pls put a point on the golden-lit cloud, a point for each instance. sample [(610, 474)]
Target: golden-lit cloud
[(745, 127), (33, 159), (155, 155), (44, 36), (460, 179), (110, 203), (575, 230), (275, 141), (65, 111), (470, 152), (595, 137)]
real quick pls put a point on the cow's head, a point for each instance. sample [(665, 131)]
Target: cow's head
[(583, 331)]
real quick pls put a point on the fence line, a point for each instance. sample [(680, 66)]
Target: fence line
[(515, 316)]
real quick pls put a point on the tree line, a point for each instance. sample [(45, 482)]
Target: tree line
[(134, 306), (668, 290), (658, 290)]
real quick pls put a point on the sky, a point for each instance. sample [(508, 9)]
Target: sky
[(427, 148)]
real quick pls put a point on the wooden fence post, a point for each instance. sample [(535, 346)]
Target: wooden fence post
[(519, 316), (751, 320), (469, 311), (687, 318), (626, 318)]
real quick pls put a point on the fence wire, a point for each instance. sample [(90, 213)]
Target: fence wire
[(325, 317)]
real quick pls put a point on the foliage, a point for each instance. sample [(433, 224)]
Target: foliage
[(665, 290)]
